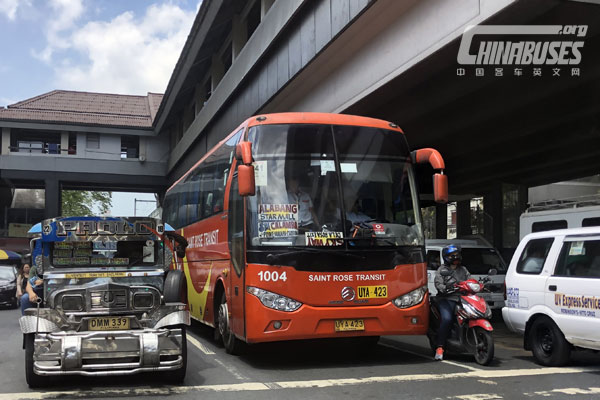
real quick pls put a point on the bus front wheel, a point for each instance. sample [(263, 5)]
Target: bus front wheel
[(232, 344)]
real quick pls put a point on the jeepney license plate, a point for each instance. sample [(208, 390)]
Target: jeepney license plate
[(108, 324), (371, 292), (343, 325)]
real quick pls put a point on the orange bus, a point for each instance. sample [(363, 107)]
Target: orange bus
[(305, 225)]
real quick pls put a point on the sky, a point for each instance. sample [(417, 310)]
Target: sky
[(106, 46)]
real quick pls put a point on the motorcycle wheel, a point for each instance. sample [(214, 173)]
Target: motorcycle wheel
[(484, 346)]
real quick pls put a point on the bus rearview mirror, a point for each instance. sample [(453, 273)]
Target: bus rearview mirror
[(243, 152), (440, 188), (246, 186)]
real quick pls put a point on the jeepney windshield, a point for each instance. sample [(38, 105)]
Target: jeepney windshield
[(333, 187), (123, 253)]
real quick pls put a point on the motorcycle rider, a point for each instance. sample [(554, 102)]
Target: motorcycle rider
[(446, 297)]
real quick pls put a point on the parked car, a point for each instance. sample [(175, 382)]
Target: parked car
[(8, 286), (479, 257), (553, 293)]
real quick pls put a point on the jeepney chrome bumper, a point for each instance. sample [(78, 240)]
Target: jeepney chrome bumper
[(102, 353)]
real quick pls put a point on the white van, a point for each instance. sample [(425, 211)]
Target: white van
[(579, 212), (553, 293), (479, 257)]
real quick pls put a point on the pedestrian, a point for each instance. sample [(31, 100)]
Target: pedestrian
[(33, 290), (22, 278)]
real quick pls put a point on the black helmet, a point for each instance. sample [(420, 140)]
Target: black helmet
[(451, 254)]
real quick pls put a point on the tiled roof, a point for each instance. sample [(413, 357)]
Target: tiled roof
[(83, 108)]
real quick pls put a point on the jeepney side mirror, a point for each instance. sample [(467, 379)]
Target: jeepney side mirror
[(180, 243), (246, 184), (440, 181)]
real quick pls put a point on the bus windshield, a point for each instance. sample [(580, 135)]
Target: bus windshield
[(332, 187)]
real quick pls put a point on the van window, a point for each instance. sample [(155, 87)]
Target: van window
[(590, 222), (534, 256), (433, 259), (579, 259), (479, 260), (549, 225)]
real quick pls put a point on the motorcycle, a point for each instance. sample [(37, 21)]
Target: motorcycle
[(471, 329)]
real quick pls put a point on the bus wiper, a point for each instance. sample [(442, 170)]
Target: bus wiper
[(386, 239), (301, 249)]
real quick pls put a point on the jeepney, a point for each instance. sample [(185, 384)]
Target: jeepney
[(111, 302)]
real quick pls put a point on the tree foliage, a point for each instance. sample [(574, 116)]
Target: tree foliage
[(85, 203)]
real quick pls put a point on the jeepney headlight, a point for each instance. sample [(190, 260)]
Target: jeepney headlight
[(72, 302), (410, 299), (143, 300), (274, 300)]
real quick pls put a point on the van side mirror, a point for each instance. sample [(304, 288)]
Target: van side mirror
[(246, 184), (440, 181), (445, 272)]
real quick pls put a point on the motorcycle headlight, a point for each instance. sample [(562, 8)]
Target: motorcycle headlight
[(475, 287), (410, 299), (274, 300)]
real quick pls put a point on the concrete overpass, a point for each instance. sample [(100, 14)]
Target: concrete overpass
[(397, 60)]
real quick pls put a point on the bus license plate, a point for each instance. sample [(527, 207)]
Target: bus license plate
[(108, 324), (372, 292), (343, 325)]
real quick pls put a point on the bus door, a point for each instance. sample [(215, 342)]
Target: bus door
[(236, 250)]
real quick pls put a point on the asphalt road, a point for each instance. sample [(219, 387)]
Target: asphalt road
[(396, 368)]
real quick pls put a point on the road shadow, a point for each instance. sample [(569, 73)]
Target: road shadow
[(313, 353)]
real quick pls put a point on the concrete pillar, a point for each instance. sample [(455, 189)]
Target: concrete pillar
[(142, 156), (463, 218), (52, 197), (441, 221), (239, 35), (64, 143), (492, 204), (265, 5), (217, 70), (5, 141)]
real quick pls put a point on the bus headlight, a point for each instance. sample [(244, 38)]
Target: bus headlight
[(274, 300), (411, 299)]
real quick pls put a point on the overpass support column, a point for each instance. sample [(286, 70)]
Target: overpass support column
[(441, 221), (492, 206), (463, 218), (52, 197), (5, 141)]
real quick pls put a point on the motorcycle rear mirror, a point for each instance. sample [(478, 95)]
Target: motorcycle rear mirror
[(492, 271), (445, 272)]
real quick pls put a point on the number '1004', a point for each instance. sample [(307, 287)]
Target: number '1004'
[(274, 276)]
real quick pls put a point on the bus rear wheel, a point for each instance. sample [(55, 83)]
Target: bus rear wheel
[(232, 344)]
